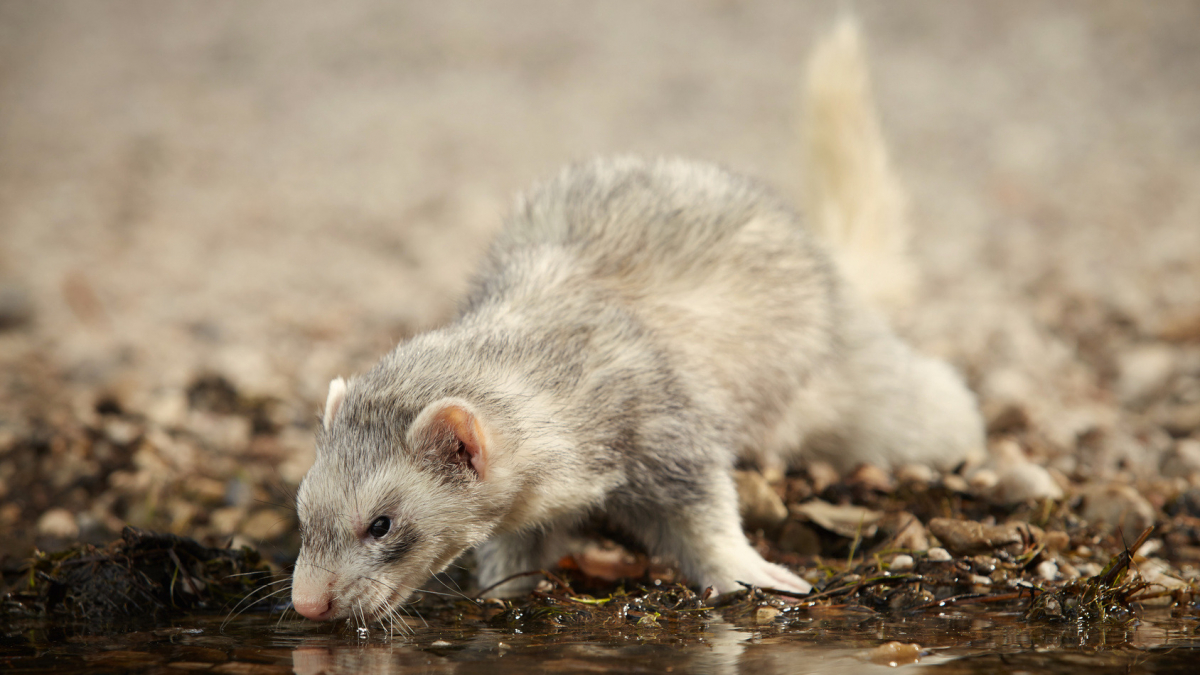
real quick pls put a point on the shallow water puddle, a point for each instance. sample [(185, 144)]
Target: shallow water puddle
[(828, 641)]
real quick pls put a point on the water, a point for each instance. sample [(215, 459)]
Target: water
[(795, 641)]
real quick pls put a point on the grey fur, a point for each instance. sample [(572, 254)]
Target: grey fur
[(637, 327)]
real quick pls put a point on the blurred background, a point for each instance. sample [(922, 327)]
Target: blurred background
[(207, 210)]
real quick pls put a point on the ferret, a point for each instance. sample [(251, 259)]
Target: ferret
[(637, 329)]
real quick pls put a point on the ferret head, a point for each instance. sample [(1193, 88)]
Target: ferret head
[(397, 492)]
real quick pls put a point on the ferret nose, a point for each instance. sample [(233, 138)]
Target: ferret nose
[(315, 607)]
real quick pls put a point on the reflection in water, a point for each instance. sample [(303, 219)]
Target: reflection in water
[(723, 650), (798, 641)]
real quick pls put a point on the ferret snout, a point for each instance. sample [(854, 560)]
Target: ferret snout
[(314, 602), (315, 607)]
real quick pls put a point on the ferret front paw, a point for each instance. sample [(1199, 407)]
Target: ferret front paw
[(760, 573), (770, 575)]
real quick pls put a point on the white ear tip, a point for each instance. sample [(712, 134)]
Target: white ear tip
[(337, 392)]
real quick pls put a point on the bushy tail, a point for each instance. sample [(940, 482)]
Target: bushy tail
[(856, 202)]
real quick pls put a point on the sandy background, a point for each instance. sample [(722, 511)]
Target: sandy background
[(273, 193)]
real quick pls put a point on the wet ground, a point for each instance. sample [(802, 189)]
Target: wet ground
[(719, 641)]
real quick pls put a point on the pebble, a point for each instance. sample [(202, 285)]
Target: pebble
[(1047, 570), (766, 615), (1183, 460), (1181, 420), (1144, 370), (871, 477), (905, 531), (1022, 483), (901, 563), (919, 474), (58, 523), (1117, 506), (440, 644), (120, 432), (983, 480), (956, 483), (938, 554), (895, 654)]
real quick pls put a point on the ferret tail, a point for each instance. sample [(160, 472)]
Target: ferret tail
[(857, 203)]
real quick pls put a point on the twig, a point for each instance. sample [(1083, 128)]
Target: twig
[(548, 574)]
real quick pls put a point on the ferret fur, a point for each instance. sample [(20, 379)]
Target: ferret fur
[(637, 328)]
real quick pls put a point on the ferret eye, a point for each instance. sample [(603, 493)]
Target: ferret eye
[(380, 527)]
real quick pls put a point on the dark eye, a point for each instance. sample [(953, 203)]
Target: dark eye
[(380, 527)]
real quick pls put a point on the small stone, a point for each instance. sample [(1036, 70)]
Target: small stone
[(120, 432), (168, 408), (956, 483), (938, 554), (766, 615), (1022, 483), (901, 563), (1047, 570), (919, 474), (759, 504), (1116, 506), (1056, 540), (59, 523), (983, 480), (905, 531), (984, 564), (1183, 460), (1180, 420), (1158, 572), (895, 654), (980, 580), (1149, 548), (1005, 417), (440, 644), (871, 477), (1144, 370)]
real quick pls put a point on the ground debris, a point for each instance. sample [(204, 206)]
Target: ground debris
[(1104, 598), (144, 574)]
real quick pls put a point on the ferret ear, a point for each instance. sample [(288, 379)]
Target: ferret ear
[(333, 402), (452, 431)]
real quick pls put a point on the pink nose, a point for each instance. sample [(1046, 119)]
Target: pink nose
[(316, 607)]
